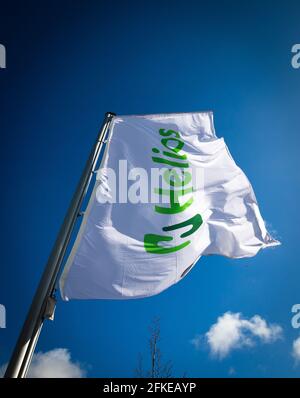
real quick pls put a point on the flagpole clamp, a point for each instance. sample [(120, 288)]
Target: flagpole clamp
[(50, 308)]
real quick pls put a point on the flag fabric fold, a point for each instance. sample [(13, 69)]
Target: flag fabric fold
[(167, 193)]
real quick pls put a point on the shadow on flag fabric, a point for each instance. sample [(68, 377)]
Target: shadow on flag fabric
[(168, 192)]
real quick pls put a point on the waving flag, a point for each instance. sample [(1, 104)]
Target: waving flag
[(167, 193)]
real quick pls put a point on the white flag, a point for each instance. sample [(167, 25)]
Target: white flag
[(167, 193)]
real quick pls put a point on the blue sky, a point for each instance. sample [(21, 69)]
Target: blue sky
[(70, 62)]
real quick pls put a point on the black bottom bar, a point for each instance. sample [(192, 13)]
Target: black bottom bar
[(132, 387)]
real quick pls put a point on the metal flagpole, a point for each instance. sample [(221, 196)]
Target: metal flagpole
[(43, 304)]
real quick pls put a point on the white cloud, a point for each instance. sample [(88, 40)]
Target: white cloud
[(232, 331), (296, 349), (56, 363), (197, 341)]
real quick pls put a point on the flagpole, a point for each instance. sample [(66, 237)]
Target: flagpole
[(43, 304)]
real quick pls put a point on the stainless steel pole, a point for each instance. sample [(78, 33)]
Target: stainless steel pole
[(22, 354)]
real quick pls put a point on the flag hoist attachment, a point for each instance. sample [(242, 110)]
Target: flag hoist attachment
[(43, 304)]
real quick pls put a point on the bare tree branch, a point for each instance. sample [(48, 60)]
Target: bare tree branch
[(139, 369), (157, 369)]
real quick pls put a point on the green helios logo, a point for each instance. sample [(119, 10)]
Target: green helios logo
[(172, 156)]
